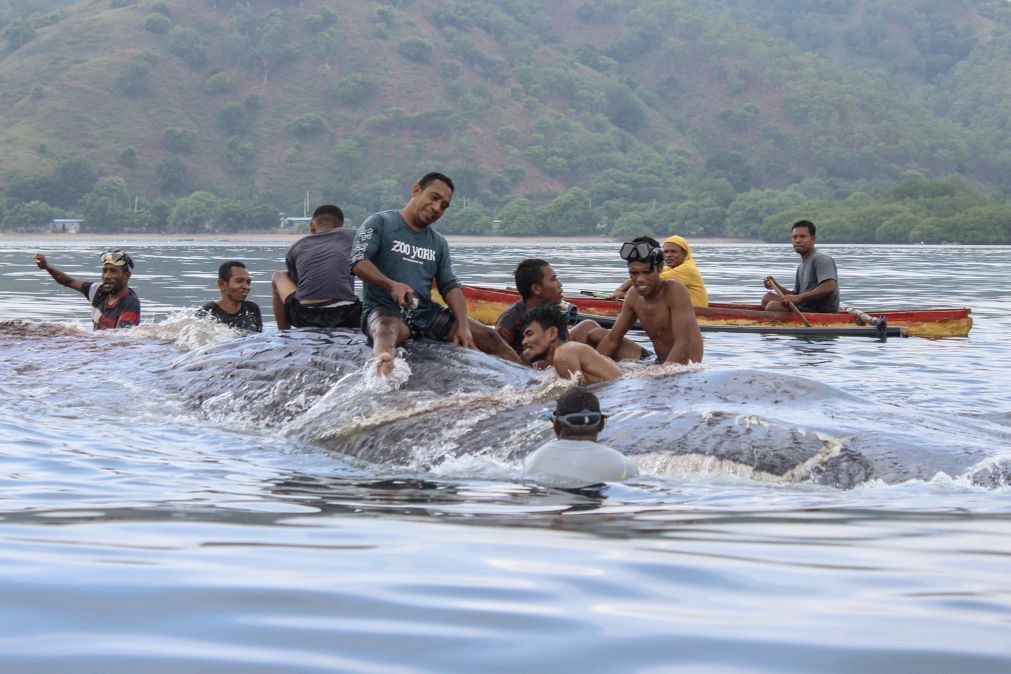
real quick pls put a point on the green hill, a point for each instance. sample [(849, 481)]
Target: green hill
[(571, 116)]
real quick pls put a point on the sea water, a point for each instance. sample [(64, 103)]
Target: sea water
[(153, 518)]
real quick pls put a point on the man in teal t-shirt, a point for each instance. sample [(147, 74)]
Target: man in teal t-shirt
[(397, 255)]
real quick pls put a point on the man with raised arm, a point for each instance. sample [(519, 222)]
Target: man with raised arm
[(816, 288), (662, 307), (544, 343), (114, 303), (398, 255)]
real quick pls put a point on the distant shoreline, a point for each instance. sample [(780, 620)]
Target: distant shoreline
[(289, 237)]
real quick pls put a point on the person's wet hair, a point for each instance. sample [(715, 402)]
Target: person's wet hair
[(329, 211), (653, 243), (528, 273), (430, 178), (804, 223), (547, 316), (577, 399), (577, 411), (225, 270)]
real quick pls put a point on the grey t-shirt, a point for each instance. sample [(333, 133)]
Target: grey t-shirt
[(578, 463), (318, 263), (812, 272), (406, 256)]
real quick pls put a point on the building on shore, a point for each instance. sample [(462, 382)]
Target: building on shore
[(65, 226)]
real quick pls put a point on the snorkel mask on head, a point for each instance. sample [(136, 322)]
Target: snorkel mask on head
[(641, 251), (582, 420), (116, 257)]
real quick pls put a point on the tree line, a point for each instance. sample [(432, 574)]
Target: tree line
[(910, 211)]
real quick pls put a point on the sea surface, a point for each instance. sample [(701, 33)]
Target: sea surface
[(182, 498)]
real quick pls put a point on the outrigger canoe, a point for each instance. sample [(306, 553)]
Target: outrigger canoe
[(485, 305)]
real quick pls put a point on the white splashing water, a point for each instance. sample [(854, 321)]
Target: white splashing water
[(392, 382), (187, 330)]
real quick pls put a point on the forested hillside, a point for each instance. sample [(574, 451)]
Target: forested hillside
[(704, 117)]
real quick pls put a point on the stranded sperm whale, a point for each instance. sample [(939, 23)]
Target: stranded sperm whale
[(758, 424)]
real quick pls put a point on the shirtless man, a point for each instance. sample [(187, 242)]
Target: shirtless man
[(538, 284), (397, 255), (663, 308), (543, 343)]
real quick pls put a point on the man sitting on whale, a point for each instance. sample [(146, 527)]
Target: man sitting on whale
[(398, 255), (317, 290)]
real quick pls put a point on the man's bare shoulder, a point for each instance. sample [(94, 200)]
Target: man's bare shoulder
[(581, 349), (584, 352), (632, 299), (676, 293)]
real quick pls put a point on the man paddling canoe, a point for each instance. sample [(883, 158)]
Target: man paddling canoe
[(816, 288)]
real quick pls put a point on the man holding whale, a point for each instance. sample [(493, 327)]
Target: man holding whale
[(398, 255)]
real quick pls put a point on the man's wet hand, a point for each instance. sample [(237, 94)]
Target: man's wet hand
[(463, 336), (403, 295)]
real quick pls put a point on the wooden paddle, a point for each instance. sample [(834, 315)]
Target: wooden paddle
[(790, 305)]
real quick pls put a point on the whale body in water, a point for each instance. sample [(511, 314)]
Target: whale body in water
[(758, 424)]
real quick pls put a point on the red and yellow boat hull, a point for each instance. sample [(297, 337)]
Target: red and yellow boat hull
[(485, 305)]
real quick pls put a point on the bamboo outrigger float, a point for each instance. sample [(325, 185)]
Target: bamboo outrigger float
[(485, 305)]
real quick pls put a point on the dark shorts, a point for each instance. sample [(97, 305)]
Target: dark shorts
[(326, 316), (818, 307), (439, 328)]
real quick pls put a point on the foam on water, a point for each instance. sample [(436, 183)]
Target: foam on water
[(186, 330), (391, 382)]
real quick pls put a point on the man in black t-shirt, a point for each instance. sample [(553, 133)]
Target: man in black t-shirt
[(233, 309)]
